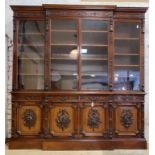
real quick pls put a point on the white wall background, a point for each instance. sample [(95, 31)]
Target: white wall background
[(9, 51)]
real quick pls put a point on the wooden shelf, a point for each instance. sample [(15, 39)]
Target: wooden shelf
[(126, 38), (23, 74), (42, 59), (65, 75), (93, 75), (126, 65), (94, 31), (63, 58), (99, 45), (29, 33), (30, 44), (62, 30), (64, 44), (92, 59), (126, 54)]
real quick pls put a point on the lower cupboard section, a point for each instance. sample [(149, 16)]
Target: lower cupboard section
[(62, 125)]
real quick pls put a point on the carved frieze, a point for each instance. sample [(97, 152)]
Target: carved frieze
[(27, 14), (29, 118), (62, 119), (61, 98), (93, 119), (126, 98), (81, 13), (90, 98), (126, 118)]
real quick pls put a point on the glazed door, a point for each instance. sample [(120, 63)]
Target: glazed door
[(94, 54), (127, 63), (78, 54), (63, 54), (30, 50)]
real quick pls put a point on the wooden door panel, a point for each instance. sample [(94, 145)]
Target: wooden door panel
[(29, 119), (93, 120), (61, 120), (127, 119)]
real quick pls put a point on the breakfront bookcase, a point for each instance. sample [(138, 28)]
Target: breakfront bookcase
[(78, 77)]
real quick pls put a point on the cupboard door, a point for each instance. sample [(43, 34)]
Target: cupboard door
[(93, 120), (64, 54), (94, 54), (29, 119), (126, 74), (62, 119), (127, 119), (30, 49)]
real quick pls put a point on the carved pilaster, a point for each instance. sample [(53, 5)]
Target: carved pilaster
[(111, 25), (110, 121), (14, 131), (45, 124)]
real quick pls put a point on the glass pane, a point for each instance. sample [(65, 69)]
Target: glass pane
[(31, 74), (127, 29), (126, 56), (94, 75), (64, 54), (59, 38), (63, 24), (126, 60), (31, 55), (94, 25), (126, 78), (95, 38), (27, 26), (94, 54), (127, 46)]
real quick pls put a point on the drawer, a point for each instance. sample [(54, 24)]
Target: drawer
[(128, 98), (95, 98), (61, 99)]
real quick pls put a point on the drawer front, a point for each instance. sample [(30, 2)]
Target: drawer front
[(26, 119), (61, 99), (95, 98), (128, 98)]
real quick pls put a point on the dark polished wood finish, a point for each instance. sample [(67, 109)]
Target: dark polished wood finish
[(78, 119)]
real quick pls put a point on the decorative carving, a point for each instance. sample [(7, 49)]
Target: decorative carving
[(27, 14), (63, 119), (123, 97), (81, 13), (128, 98), (126, 118), (29, 118), (93, 118), (111, 30), (94, 98), (61, 99), (15, 133), (29, 98)]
